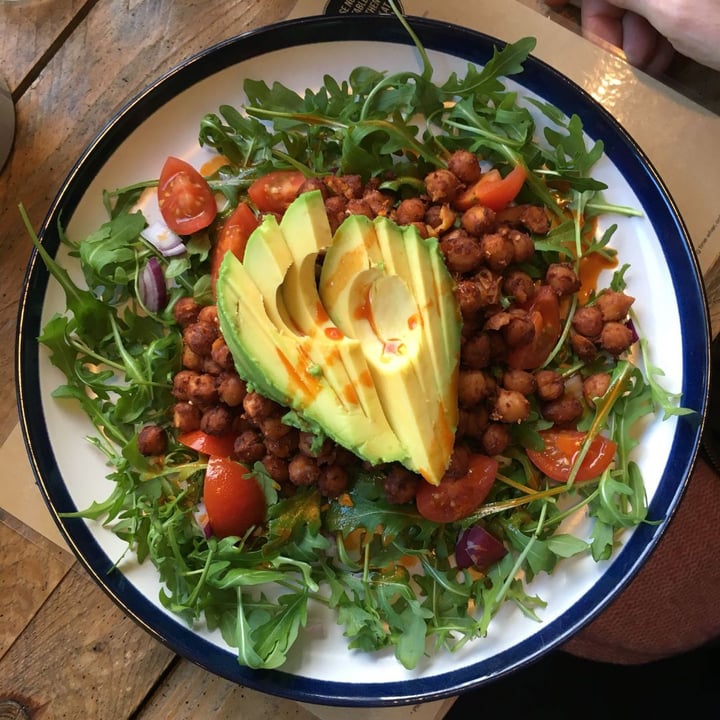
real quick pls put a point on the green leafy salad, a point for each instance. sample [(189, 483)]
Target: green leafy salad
[(407, 561)]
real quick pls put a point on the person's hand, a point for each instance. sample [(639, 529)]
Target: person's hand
[(649, 31)]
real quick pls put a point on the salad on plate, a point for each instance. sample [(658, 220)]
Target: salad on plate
[(374, 355)]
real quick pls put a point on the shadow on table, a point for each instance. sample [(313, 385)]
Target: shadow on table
[(561, 684)]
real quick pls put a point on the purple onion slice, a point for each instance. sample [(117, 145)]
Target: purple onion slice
[(478, 548)]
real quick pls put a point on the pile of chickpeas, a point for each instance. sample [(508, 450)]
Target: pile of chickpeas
[(485, 252)]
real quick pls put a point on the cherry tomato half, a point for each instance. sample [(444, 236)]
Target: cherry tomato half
[(276, 190), (456, 498), (186, 201), (234, 503), (562, 448), (233, 236), (544, 309), (215, 445), (492, 190)]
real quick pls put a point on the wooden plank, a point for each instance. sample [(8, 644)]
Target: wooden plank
[(189, 692), (31, 32), (81, 657), (115, 51), (31, 567)]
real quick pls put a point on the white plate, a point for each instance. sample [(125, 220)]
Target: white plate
[(164, 120)]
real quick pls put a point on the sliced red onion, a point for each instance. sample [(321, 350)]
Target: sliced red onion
[(478, 548), (151, 285), (631, 326), (201, 518), (163, 239)]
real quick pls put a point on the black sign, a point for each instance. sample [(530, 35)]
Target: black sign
[(353, 7)]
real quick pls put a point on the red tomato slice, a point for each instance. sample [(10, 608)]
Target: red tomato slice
[(186, 201), (562, 448), (214, 445), (544, 309), (492, 190), (234, 503), (456, 498), (233, 237), (276, 190)]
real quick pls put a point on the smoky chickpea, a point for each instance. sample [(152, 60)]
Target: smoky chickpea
[(333, 481), (249, 447), (550, 384), (616, 337), (470, 297), (614, 305), (277, 468), (346, 186), (459, 464), (490, 286), (595, 386), (209, 314), (478, 220), (475, 351), (185, 311), (380, 203), (303, 471), (562, 278), (510, 406), (519, 286), (410, 210), (497, 251), (474, 386), (221, 355), (583, 347), (181, 381), (216, 420), (200, 336), (495, 439), (566, 410), (521, 381), (462, 252), (519, 330), (358, 206), (465, 166), (202, 389), (191, 360), (442, 186), (231, 389), (152, 440), (258, 408), (186, 417), (523, 246), (284, 445), (588, 321), (400, 485)]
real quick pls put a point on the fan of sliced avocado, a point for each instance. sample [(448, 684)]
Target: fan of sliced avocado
[(369, 351)]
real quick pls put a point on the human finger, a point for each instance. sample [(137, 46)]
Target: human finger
[(644, 46), (602, 22), (693, 28)]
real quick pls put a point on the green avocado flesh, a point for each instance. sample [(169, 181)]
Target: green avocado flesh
[(369, 352)]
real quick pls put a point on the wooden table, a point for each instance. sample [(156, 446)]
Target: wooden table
[(66, 651)]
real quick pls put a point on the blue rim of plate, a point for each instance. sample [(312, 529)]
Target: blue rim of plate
[(537, 77)]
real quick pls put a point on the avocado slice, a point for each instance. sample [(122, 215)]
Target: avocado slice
[(282, 353), (397, 306), (369, 351), (267, 250)]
